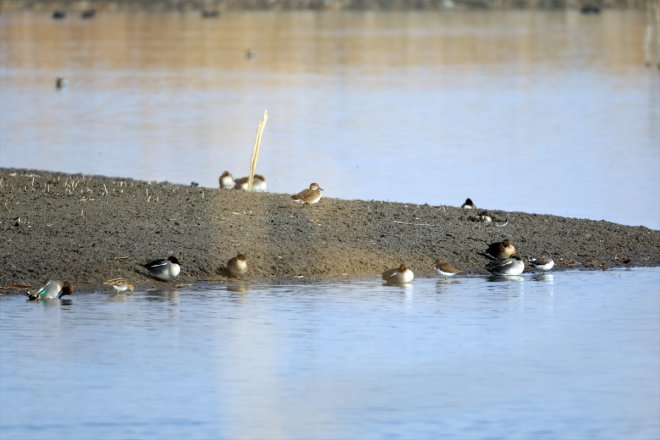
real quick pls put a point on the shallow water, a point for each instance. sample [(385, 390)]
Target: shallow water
[(548, 112), (566, 355)]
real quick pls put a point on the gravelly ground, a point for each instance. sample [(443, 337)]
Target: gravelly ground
[(90, 228)]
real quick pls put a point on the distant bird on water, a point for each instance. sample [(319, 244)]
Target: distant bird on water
[(308, 196), (398, 275), (88, 14), (59, 15), (53, 289), (164, 270), (590, 8), (60, 83), (210, 14)]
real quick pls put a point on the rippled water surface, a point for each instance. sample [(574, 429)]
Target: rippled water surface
[(571, 355), (549, 112)]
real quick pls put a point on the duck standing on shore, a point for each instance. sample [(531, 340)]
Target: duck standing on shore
[(164, 270), (258, 183), (53, 289), (238, 265), (226, 180), (469, 204)]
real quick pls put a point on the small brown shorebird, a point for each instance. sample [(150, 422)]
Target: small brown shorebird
[(543, 263), (308, 196), (446, 269), (120, 285)]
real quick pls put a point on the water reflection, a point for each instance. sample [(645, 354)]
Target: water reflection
[(238, 286), (118, 296), (504, 278), (544, 277), (448, 281), (54, 302), (162, 294)]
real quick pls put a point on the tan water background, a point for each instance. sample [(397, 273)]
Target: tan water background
[(549, 112)]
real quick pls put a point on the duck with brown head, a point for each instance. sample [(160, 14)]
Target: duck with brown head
[(398, 275), (52, 289), (500, 250)]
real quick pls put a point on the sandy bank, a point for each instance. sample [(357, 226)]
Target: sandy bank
[(89, 228)]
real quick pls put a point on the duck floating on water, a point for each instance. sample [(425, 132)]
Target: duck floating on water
[(398, 275), (507, 266), (53, 289)]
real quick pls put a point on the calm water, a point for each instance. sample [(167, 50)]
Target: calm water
[(549, 112), (573, 355)]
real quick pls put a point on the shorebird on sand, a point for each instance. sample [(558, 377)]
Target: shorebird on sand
[(543, 263), (308, 196)]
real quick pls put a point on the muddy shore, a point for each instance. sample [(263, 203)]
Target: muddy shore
[(88, 229)]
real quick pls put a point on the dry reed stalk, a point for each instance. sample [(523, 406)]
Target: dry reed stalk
[(255, 152)]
